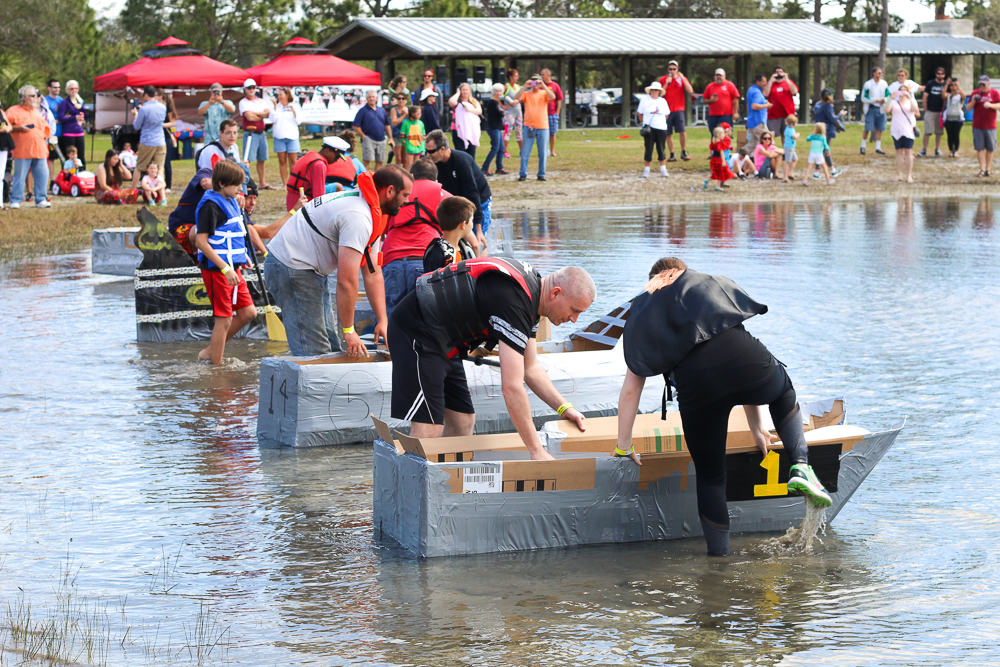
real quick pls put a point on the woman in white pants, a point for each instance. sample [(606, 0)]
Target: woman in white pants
[(6, 142)]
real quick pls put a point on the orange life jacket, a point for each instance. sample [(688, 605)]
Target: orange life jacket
[(366, 185)]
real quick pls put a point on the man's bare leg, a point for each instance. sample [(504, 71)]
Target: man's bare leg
[(458, 423), (421, 430)]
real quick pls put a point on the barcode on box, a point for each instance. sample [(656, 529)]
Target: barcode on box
[(486, 478)]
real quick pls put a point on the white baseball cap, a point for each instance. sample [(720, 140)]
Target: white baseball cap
[(427, 92), (249, 82), (337, 143), (721, 71)]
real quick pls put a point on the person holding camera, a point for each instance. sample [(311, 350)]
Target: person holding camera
[(780, 92), (30, 132), (536, 97), (215, 110), (954, 115), (984, 104)]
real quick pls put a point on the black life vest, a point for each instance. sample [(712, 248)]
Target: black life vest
[(664, 326), (447, 299), (421, 215), (299, 177)]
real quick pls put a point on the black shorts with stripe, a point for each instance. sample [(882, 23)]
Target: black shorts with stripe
[(425, 382)]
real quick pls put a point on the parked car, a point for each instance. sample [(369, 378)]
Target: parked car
[(74, 185)]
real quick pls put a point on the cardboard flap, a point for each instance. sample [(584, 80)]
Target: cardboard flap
[(410, 445), (385, 433), (430, 448)]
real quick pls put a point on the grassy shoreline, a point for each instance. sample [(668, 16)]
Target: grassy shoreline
[(591, 169)]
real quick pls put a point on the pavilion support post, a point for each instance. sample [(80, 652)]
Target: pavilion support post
[(804, 87), (982, 67), (563, 72), (913, 68), (450, 63), (570, 88), (390, 69), (685, 64), (626, 91)]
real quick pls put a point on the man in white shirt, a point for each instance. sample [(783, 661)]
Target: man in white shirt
[(223, 149), (331, 233), (873, 97), (254, 110)]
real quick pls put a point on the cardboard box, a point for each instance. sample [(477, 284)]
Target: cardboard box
[(113, 251)]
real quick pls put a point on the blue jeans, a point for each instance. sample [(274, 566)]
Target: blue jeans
[(306, 308), (400, 276), (531, 135), (487, 207), (39, 171), (496, 149)]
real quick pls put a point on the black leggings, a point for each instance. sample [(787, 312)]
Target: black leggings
[(954, 130), (79, 143), (706, 429), (658, 137)]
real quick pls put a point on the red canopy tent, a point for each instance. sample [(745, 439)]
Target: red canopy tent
[(299, 64), (172, 64)]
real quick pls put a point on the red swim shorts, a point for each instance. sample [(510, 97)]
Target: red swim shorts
[(221, 293)]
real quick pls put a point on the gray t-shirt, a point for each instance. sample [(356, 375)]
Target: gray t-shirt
[(343, 219)]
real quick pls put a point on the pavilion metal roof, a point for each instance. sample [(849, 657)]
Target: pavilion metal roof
[(377, 38), (926, 44)]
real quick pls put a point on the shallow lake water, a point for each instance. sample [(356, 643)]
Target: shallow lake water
[(135, 501)]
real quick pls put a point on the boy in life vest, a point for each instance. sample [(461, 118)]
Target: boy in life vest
[(221, 243), (454, 215)]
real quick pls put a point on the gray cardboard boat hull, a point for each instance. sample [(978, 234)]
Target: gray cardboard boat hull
[(413, 505), (113, 251)]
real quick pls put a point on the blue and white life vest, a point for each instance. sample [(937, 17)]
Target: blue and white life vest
[(229, 240)]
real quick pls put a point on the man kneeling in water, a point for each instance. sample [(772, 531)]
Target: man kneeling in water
[(688, 326)]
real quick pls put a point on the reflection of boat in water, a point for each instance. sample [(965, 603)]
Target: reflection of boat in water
[(480, 494), (328, 400)]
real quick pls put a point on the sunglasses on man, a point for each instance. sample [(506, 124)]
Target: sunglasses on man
[(432, 151)]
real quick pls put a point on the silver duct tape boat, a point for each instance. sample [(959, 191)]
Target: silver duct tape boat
[(113, 251), (307, 402), (456, 496)]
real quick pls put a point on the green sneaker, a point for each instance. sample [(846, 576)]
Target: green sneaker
[(804, 482)]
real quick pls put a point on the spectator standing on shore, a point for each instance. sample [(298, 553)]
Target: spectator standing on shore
[(901, 108), (536, 97), (757, 110), (790, 139), (398, 87), (215, 110), (372, 125), (494, 113), (780, 91), (52, 102), (676, 88), (903, 77), (467, 113), (285, 130), (254, 110), (437, 101), (653, 112), (429, 114), (954, 115), (168, 136), (149, 119), (818, 148), (555, 108), (721, 96), (984, 104), (459, 174), (933, 106), (873, 97), (720, 170), (70, 116), (413, 132), (6, 146), (823, 112), (513, 117), (30, 132), (399, 112)]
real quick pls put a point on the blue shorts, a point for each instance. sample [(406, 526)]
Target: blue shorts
[(675, 122), (553, 124), (258, 146), (874, 119), (400, 278), (286, 145), (487, 214)]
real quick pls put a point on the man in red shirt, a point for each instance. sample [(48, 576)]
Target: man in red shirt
[(555, 106), (721, 96), (984, 104), (780, 92), (409, 232), (675, 89)]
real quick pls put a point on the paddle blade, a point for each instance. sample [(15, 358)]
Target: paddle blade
[(275, 328)]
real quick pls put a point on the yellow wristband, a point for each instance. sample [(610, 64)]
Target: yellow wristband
[(291, 212), (563, 408), (225, 269), (349, 329), (619, 452)]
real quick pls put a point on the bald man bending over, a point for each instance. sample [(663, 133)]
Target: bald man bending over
[(454, 310)]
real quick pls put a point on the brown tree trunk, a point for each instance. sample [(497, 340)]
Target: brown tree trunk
[(885, 34)]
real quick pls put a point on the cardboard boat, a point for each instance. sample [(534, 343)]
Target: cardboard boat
[(481, 494), (313, 401), (113, 251)]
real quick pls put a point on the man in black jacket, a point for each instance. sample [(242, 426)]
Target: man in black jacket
[(459, 174)]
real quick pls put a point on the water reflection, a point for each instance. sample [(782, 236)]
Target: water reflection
[(145, 459)]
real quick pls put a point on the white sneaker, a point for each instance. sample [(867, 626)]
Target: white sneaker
[(665, 174), (43, 204), (15, 205)]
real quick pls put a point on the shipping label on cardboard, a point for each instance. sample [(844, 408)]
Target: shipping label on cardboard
[(483, 478)]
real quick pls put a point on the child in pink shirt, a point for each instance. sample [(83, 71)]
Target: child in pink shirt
[(153, 187)]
